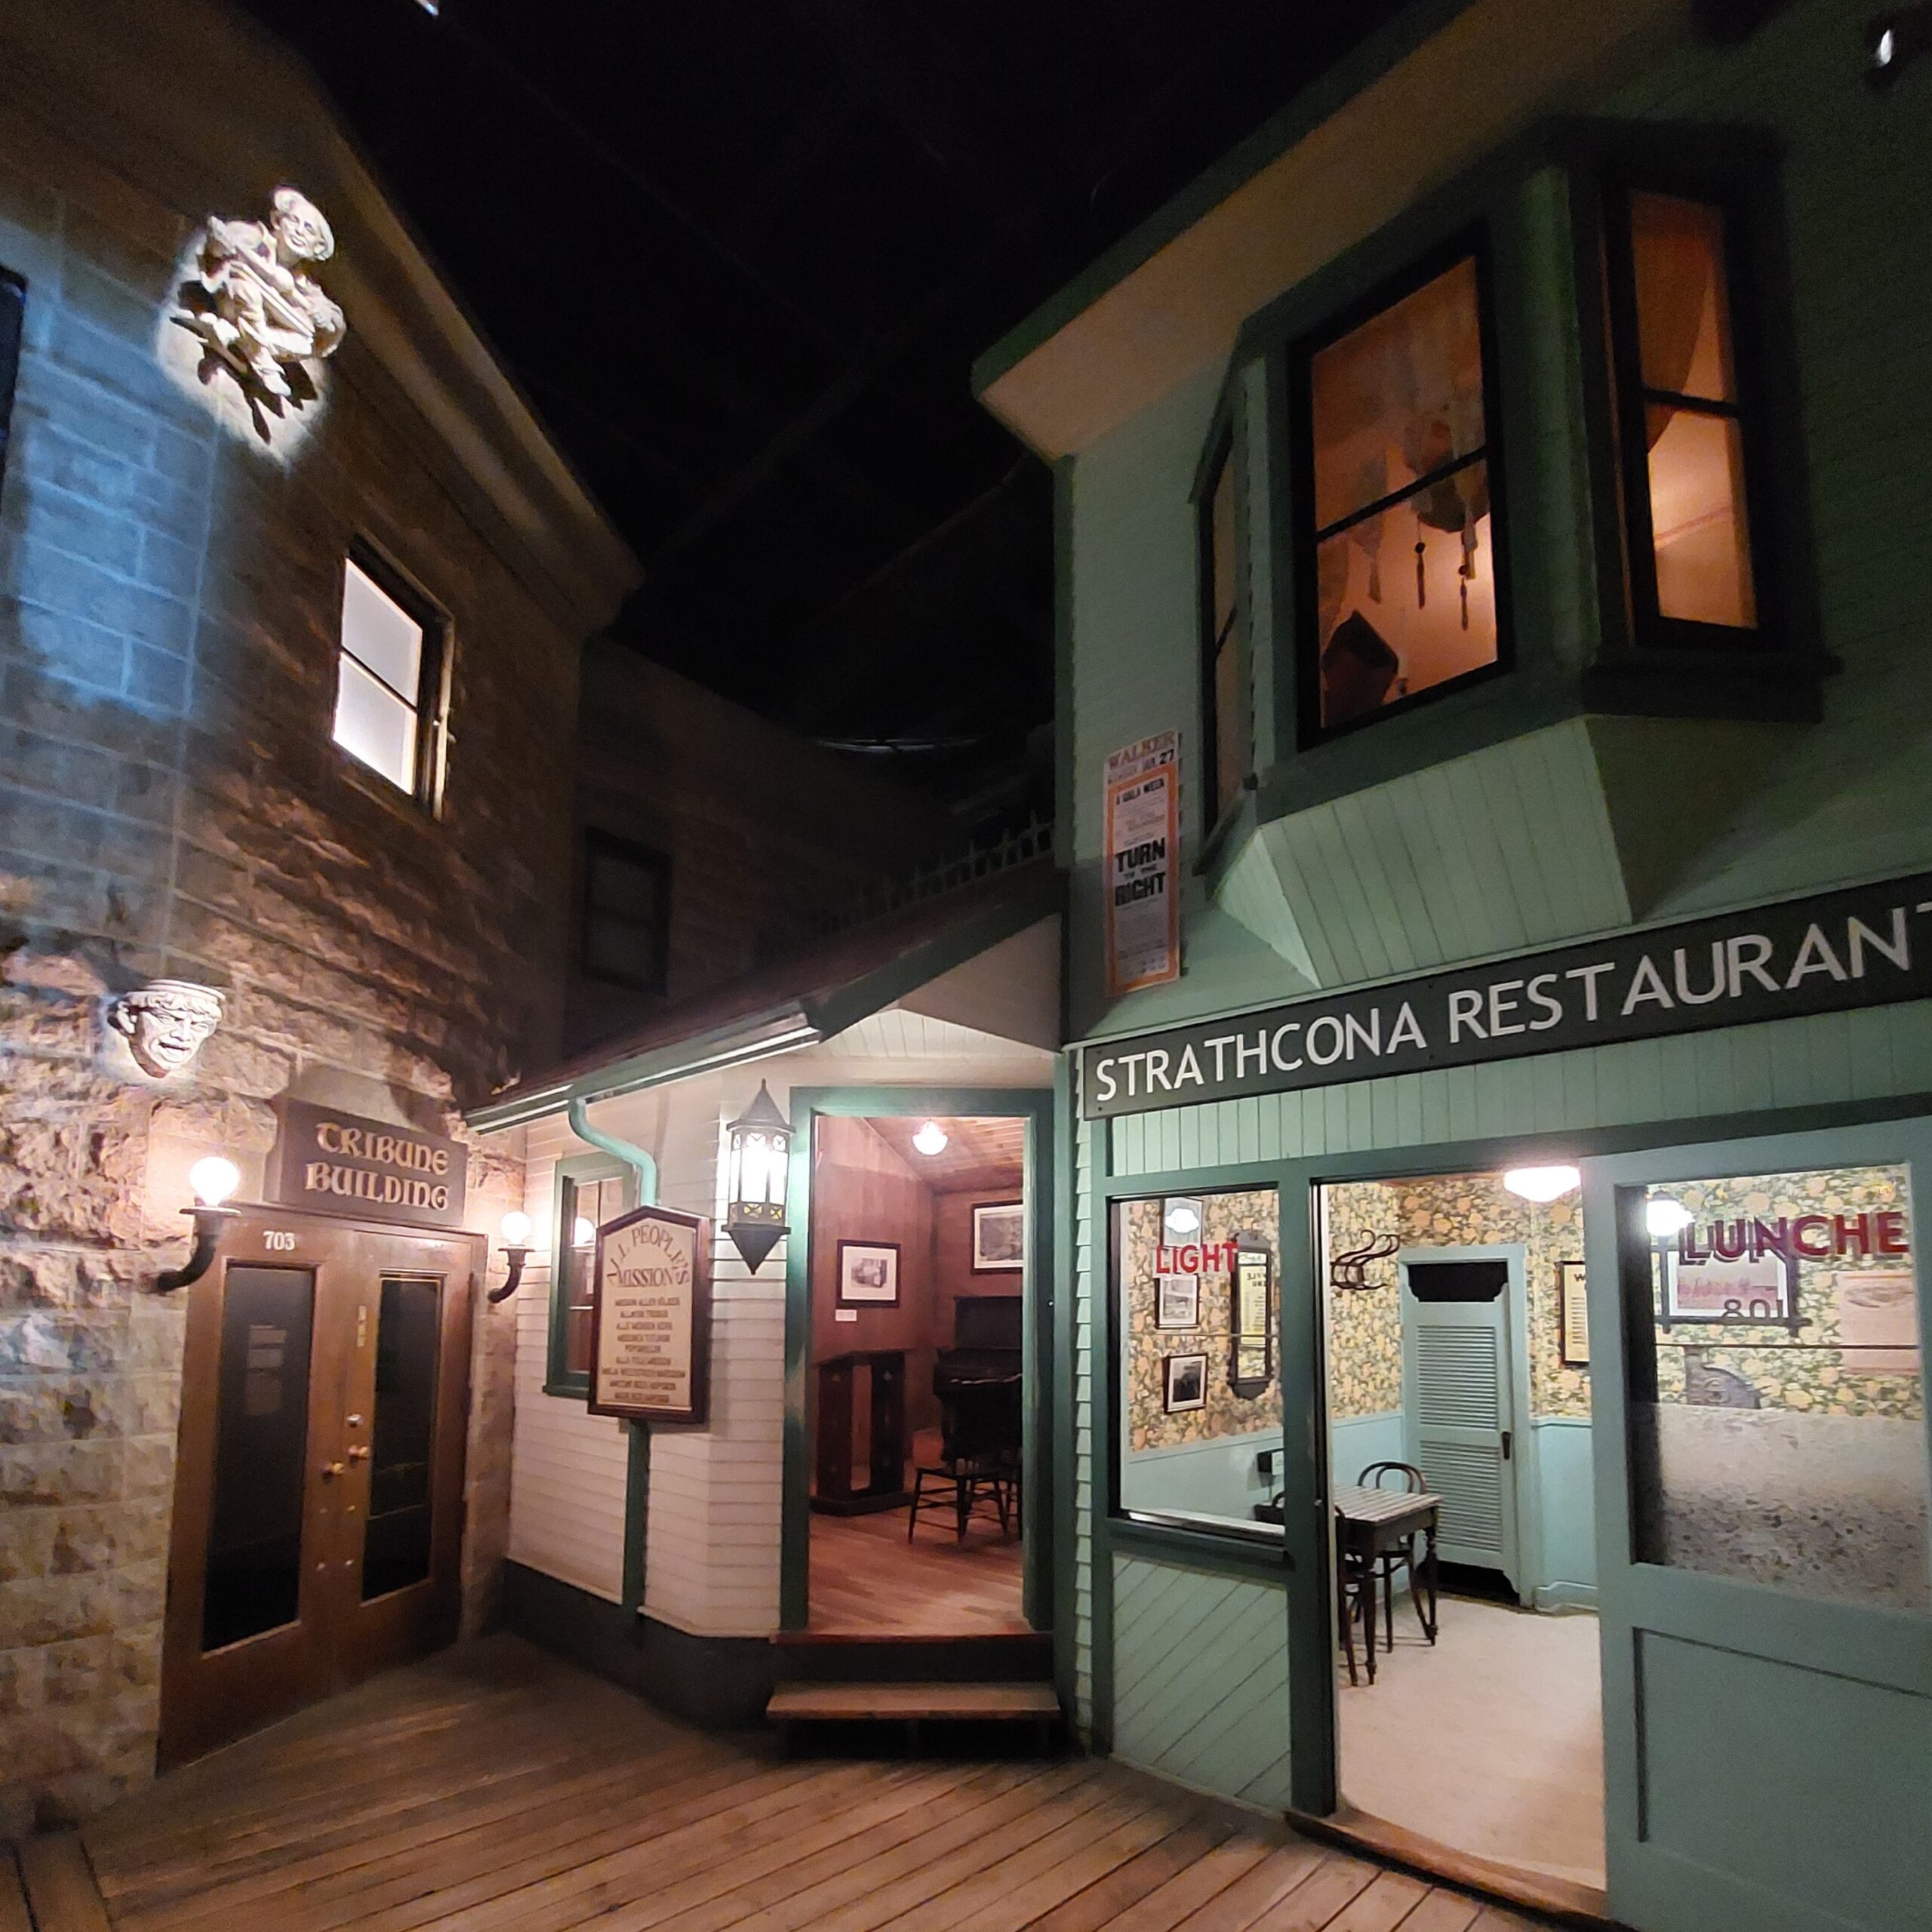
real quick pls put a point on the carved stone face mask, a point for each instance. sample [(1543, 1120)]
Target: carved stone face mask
[(166, 1023)]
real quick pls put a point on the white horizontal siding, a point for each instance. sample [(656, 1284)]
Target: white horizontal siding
[(716, 1505)]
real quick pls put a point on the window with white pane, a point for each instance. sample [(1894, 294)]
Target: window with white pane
[(386, 677)]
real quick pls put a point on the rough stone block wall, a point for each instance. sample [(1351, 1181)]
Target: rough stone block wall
[(171, 803)]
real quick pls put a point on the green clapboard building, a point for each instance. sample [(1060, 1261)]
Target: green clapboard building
[(1495, 530)]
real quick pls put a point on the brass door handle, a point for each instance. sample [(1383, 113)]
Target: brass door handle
[(360, 1452), (331, 1470)]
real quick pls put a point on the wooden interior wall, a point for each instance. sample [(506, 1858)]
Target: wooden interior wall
[(862, 1191), (952, 1251)]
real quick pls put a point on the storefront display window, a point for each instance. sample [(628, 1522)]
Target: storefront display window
[(1778, 1407), (1197, 1321)]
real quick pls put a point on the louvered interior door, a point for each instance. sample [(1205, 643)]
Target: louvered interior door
[(1458, 1397)]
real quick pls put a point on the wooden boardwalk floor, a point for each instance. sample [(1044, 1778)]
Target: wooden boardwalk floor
[(496, 1788)]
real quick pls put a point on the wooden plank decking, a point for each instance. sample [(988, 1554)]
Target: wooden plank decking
[(495, 1787)]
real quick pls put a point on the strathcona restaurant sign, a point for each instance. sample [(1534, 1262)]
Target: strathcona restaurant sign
[(1867, 946), (334, 1163)]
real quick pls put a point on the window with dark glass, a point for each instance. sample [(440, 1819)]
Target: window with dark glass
[(1223, 720), (388, 677), (13, 311), (626, 934), (586, 1204), (1399, 537), (1683, 427)]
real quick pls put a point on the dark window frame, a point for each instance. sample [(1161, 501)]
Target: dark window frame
[(1221, 460), (1650, 629), (1470, 242), (13, 333), (596, 840), (574, 1173), (430, 706)]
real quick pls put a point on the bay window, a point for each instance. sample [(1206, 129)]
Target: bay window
[(1398, 521), (1681, 422)]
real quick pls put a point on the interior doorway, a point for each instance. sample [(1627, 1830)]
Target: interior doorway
[(917, 1390), (1456, 1386), (318, 1486)]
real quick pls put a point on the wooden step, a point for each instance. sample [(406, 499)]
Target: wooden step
[(914, 1703), (59, 1883)]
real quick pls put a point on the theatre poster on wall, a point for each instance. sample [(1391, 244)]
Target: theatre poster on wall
[(1142, 838), (651, 1317)]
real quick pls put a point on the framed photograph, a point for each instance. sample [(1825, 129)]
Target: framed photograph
[(1183, 1382), (999, 1237), (1177, 1301), (1765, 1289), (1252, 1360), (1572, 1314), (868, 1273)]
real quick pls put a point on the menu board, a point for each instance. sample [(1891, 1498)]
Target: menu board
[(651, 1317)]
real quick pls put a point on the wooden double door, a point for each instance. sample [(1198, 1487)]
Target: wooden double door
[(317, 1520)]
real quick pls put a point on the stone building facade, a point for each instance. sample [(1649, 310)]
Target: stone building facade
[(173, 804)]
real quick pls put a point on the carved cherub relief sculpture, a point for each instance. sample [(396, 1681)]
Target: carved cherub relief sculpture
[(257, 311), (166, 1023)]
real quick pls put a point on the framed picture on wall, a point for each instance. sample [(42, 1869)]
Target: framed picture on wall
[(1573, 1314), (1712, 1289), (868, 1273), (1183, 1382), (999, 1237), (1177, 1301)]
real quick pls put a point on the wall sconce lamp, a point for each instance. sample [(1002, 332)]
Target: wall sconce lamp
[(1893, 42), (214, 1179), (515, 1251), (760, 1166)]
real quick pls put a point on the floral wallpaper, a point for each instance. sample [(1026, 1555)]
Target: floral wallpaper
[(1250, 1215), (1451, 1210)]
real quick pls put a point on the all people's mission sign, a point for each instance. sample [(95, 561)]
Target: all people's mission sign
[(650, 1317), (1863, 946)]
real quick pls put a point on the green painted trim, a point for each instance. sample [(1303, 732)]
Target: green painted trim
[(1356, 71), (1035, 1104), (557, 1379), (1099, 1541), (636, 1514), (1199, 1549), (1062, 1289)]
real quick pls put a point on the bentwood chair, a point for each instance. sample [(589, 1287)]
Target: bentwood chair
[(1411, 1480), (979, 1466)]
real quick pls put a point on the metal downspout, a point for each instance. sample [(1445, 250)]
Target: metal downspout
[(637, 1472), (578, 1113)]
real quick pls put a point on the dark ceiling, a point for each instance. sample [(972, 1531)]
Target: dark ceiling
[(740, 255)]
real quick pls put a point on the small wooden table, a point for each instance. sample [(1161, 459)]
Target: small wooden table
[(1368, 1523)]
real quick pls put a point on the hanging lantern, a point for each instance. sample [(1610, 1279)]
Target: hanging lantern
[(761, 1161)]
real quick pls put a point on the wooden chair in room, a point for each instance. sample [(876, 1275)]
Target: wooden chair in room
[(1383, 1566), (979, 1464)]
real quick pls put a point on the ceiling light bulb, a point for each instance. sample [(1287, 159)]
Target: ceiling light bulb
[(516, 1229), (583, 1232), (214, 1179), (1539, 1184), (1887, 48), (1665, 1215), (1183, 1218), (931, 1139)]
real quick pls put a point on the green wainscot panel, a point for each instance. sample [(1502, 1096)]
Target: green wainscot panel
[(1201, 1679)]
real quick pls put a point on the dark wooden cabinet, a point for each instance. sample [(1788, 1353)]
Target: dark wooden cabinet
[(885, 1488)]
